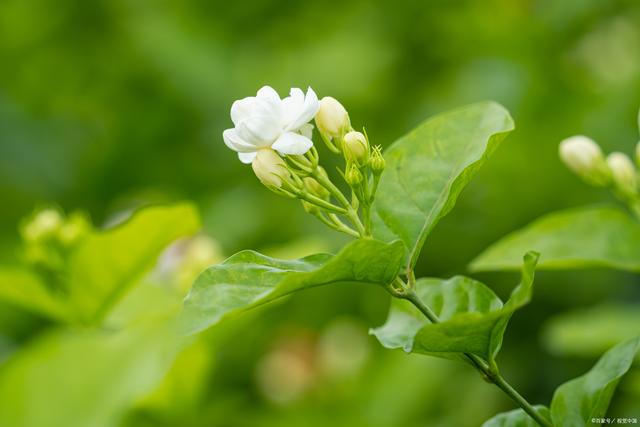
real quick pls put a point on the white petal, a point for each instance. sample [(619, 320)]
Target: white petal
[(292, 106), (305, 111), (292, 143), (259, 131), (235, 142), (247, 158), (268, 92), (306, 130), (241, 109)]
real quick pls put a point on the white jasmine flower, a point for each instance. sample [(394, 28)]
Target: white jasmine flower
[(266, 121)]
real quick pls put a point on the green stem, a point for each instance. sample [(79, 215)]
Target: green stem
[(336, 224), (351, 213), (321, 203), (489, 374)]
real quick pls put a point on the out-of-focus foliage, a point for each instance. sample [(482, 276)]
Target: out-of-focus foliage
[(578, 238), (110, 105)]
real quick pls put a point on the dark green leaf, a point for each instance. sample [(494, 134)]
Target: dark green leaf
[(517, 418), (576, 238), (109, 262), (428, 168), (576, 402), (472, 318), (249, 279)]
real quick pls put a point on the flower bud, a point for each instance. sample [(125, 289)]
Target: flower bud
[(74, 229), (377, 162), (270, 168), (43, 225), (332, 119), (638, 153), (353, 176), (623, 173), (356, 147), (315, 188), (584, 157)]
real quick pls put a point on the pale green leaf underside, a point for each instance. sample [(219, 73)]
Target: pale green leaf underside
[(428, 168), (249, 279), (86, 378), (517, 418), (576, 238), (577, 401), (472, 318), (109, 262)]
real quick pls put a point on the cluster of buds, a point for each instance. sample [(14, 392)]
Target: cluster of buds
[(275, 136), (49, 236), (585, 158)]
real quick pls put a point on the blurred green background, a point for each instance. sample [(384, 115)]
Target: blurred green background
[(110, 105)]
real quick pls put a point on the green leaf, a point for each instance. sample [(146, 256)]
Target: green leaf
[(472, 318), (87, 378), (590, 332), (249, 279), (575, 238), (517, 418), (428, 168), (23, 288), (108, 263), (576, 402)]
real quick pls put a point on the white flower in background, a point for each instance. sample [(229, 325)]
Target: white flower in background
[(583, 156), (623, 172), (266, 121)]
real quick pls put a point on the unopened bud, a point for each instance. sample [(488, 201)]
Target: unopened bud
[(44, 224), (377, 162), (74, 229), (332, 119), (623, 173), (353, 176), (356, 147), (270, 168), (315, 188), (584, 157)]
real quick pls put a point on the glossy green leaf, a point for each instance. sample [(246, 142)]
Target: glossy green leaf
[(517, 418), (249, 279), (23, 288), (428, 168), (87, 378), (575, 238), (576, 402), (472, 318), (109, 262)]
